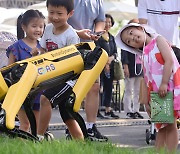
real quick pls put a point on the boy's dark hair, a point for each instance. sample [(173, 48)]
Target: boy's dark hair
[(109, 16), (24, 19), (68, 4)]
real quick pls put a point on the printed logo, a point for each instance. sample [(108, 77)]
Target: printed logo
[(50, 45), (46, 69)]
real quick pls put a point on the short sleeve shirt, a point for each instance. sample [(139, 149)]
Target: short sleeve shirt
[(50, 42), (20, 50), (163, 17), (86, 14)]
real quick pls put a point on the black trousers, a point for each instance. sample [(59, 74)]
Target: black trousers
[(107, 84)]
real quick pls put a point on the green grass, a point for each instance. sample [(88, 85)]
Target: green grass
[(20, 146)]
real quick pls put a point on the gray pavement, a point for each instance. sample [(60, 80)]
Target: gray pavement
[(121, 132), (56, 122)]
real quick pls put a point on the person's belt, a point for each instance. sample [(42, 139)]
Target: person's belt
[(162, 12)]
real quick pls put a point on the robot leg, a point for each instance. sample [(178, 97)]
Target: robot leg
[(12, 102), (3, 87), (66, 96), (94, 64)]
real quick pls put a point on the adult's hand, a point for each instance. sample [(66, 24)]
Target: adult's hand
[(84, 34), (126, 70), (95, 36)]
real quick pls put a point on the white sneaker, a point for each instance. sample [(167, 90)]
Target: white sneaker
[(48, 136), (40, 137)]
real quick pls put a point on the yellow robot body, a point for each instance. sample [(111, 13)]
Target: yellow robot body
[(49, 67), (56, 63)]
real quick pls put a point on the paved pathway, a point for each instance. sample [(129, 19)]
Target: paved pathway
[(57, 124), (122, 132)]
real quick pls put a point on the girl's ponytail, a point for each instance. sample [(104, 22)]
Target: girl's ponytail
[(20, 32)]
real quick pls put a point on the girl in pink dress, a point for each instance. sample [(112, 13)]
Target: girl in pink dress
[(161, 73)]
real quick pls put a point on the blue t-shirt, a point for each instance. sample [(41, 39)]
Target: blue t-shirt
[(86, 14), (20, 50)]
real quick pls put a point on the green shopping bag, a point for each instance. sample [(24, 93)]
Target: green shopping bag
[(162, 108)]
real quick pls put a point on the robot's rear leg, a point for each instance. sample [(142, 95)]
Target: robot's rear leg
[(67, 97), (81, 123)]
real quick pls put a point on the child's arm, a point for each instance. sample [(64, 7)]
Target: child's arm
[(144, 96), (165, 50), (126, 70)]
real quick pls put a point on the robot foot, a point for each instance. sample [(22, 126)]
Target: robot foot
[(81, 123), (22, 134), (2, 120), (14, 132)]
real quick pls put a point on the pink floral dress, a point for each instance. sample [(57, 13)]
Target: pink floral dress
[(153, 70)]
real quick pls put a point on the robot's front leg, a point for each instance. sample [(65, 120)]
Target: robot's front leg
[(24, 78), (94, 63)]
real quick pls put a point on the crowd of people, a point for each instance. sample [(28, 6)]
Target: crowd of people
[(146, 43)]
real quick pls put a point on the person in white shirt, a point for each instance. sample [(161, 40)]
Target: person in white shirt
[(162, 15)]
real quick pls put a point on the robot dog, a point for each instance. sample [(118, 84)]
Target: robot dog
[(20, 81)]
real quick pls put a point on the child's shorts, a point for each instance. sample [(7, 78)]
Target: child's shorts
[(58, 96), (35, 102)]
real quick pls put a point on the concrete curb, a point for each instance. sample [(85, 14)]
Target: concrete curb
[(106, 123)]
